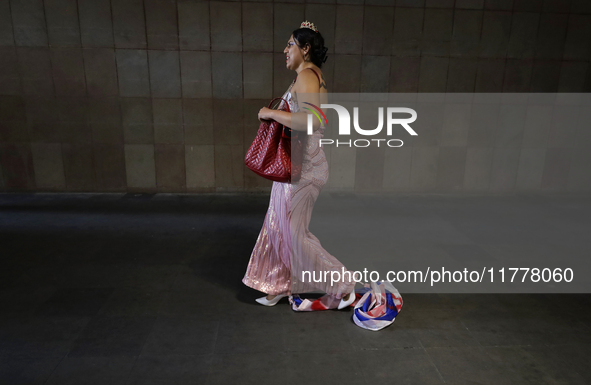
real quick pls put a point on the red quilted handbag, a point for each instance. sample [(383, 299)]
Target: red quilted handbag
[(270, 154)]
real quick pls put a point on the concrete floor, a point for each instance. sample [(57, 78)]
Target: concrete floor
[(146, 289)]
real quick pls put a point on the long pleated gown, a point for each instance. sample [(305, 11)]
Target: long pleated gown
[(285, 247)]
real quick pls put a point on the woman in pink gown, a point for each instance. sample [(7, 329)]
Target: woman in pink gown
[(285, 247)]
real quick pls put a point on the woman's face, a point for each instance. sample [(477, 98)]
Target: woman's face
[(294, 54)]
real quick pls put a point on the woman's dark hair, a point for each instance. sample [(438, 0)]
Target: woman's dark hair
[(303, 36)]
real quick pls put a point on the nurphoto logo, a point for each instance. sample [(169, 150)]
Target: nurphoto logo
[(392, 118)]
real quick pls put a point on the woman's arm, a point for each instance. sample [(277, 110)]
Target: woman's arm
[(309, 91), (296, 120)]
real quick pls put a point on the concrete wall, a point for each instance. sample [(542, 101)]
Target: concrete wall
[(162, 95)]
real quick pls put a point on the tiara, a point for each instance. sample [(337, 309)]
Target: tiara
[(307, 24)]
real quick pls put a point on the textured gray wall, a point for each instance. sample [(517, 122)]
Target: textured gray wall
[(162, 95)]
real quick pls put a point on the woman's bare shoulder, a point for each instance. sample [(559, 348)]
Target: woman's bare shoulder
[(307, 80)]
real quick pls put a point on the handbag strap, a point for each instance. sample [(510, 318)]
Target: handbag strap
[(283, 128), (286, 103)]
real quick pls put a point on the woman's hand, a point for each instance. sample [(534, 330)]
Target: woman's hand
[(265, 113)]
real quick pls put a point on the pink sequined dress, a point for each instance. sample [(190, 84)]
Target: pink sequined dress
[(285, 247)]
